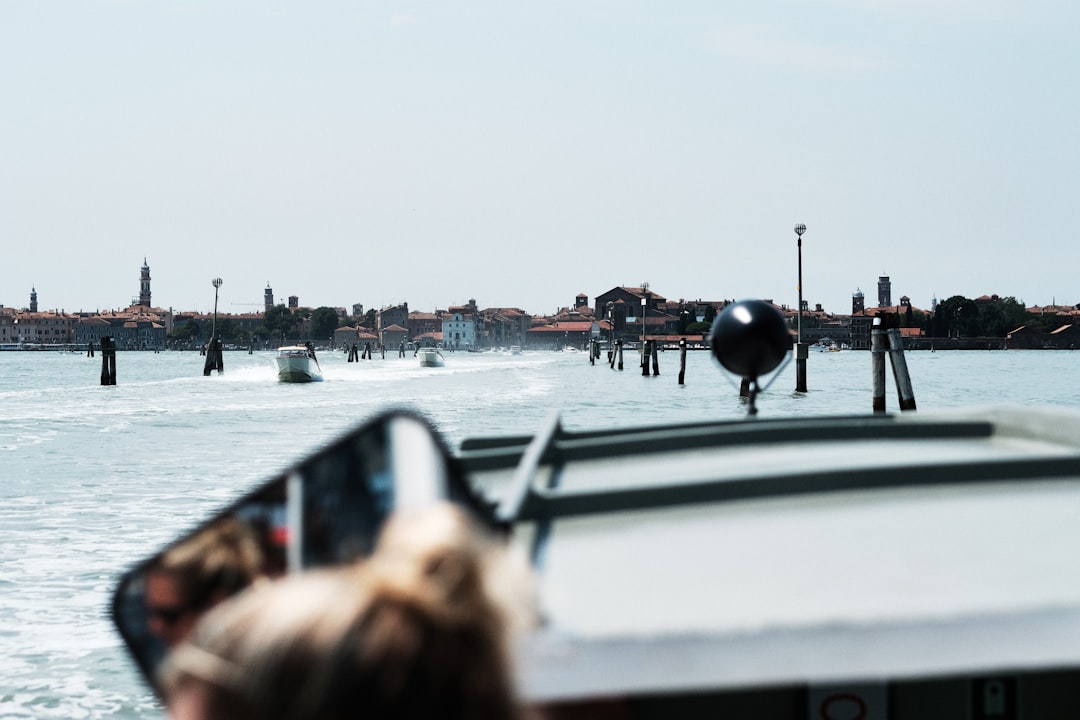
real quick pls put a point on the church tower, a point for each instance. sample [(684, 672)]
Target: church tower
[(33, 299), (268, 298), (858, 302), (144, 285), (884, 291)]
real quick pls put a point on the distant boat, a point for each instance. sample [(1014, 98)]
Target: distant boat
[(297, 364), (430, 357), (515, 349), (825, 346)]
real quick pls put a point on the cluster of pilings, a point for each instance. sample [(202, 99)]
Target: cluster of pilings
[(356, 354), (649, 358)]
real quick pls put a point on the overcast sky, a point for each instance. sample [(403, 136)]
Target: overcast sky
[(520, 153)]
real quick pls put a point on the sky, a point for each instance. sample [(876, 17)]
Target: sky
[(519, 153)]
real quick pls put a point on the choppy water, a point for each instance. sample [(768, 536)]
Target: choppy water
[(95, 478)]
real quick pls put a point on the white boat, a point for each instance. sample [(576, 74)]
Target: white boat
[(430, 357), (807, 565), (515, 349), (910, 566), (297, 364)]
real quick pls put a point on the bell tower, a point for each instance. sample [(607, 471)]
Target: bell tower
[(33, 299), (144, 285), (268, 298)]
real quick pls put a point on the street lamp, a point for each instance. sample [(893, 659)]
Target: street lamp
[(800, 349), (611, 325), (644, 308), (216, 282)]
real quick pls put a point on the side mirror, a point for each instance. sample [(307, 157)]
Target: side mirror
[(325, 510)]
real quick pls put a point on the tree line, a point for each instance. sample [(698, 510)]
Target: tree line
[(280, 326)]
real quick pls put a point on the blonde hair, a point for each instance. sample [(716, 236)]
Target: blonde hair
[(220, 560), (416, 631)]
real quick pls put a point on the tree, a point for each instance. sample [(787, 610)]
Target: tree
[(279, 323), (324, 321), (956, 317), (185, 331)]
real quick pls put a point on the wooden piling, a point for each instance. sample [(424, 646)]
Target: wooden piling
[(108, 361), (645, 359), (90, 349), (618, 352), (900, 370), (214, 360), (744, 388), (401, 349), (655, 359), (879, 342), (682, 361)]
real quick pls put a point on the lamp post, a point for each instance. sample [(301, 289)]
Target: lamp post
[(800, 347), (611, 324), (644, 309), (216, 282)]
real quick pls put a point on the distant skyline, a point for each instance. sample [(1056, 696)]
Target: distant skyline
[(522, 153)]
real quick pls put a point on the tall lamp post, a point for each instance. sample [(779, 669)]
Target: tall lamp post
[(216, 282), (801, 352), (644, 308), (611, 327), (213, 348)]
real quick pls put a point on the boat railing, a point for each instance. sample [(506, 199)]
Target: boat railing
[(961, 454)]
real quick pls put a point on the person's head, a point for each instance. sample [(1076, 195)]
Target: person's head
[(414, 631), (191, 577)]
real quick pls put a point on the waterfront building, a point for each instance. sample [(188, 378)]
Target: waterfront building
[(393, 315), (460, 329), (392, 336), (43, 328)]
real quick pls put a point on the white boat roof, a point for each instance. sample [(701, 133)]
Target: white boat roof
[(811, 550)]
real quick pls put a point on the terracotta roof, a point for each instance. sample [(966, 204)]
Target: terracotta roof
[(564, 327)]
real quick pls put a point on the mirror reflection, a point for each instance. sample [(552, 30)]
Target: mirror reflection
[(326, 510)]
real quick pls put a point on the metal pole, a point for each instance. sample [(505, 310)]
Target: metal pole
[(216, 282), (800, 347)]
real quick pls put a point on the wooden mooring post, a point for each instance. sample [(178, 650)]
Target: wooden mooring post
[(108, 361), (618, 353), (879, 342), (900, 370), (645, 358), (682, 361), (888, 340), (214, 360)]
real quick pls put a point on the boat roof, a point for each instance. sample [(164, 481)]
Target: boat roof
[(790, 551)]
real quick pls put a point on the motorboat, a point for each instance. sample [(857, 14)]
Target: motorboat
[(515, 349), (901, 566), (828, 345), (297, 364), (431, 357)]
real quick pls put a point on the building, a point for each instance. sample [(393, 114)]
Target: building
[(884, 291), (144, 286), (460, 329)]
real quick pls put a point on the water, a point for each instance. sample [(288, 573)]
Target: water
[(95, 478)]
